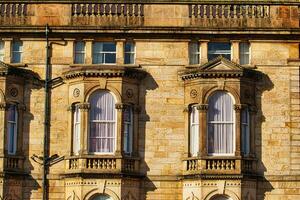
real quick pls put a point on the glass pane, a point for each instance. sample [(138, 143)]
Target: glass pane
[(109, 46), (129, 58), (244, 53), (16, 57), (17, 46), (11, 114), (98, 58), (102, 197), (11, 137), (129, 47), (1, 50), (97, 47), (194, 53), (216, 49), (110, 58), (79, 58), (79, 46)]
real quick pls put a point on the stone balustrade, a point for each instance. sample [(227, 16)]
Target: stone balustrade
[(13, 9), (13, 163), (219, 165), (229, 11), (106, 9), (101, 164)]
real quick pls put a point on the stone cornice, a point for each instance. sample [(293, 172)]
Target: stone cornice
[(107, 71)]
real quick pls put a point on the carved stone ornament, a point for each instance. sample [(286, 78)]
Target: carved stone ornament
[(202, 107), (237, 107), (193, 93), (73, 196), (129, 93), (76, 92), (13, 92)]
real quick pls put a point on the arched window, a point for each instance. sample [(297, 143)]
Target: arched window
[(194, 131), (220, 124), (128, 129), (12, 129), (76, 130), (102, 135), (101, 197)]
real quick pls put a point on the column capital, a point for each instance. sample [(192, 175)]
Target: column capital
[(3, 106), (202, 107), (238, 107), (84, 106)]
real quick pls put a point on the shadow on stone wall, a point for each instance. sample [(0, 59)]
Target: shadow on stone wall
[(148, 83)]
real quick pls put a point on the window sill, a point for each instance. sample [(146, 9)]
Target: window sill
[(18, 64), (110, 66)]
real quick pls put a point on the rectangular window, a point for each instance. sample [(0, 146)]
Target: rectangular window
[(216, 49), (17, 50), (76, 130), (194, 53), (104, 53), (79, 52), (12, 118), (194, 131), (1, 51), (245, 132), (129, 53), (128, 129), (244, 53)]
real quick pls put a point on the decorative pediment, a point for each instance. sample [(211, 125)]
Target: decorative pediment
[(6, 69), (104, 71), (216, 68)]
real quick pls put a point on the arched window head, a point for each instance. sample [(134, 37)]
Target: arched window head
[(221, 124), (101, 197), (12, 129), (102, 134), (194, 131), (221, 197)]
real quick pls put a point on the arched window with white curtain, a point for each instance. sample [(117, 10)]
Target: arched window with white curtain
[(245, 131), (101, 197), (76, 129), (128, 129), (194, 131), (221, 124), (12, 129), (102, 132)]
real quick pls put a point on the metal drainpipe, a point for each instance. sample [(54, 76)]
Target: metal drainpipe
[(46, 116)]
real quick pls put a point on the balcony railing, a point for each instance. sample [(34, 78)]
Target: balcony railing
[(219, 165), (13, 163), (101, 164)]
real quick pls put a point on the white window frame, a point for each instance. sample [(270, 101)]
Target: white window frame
[(245, 135), (218, 52), (82, 52), (2, 50), (76, 130), (13, 52), (244, 53), (194, 136), (104, 121), (12, 145), (130, 52), (193, 53), (104, 53), (128, 132), (224, 122)]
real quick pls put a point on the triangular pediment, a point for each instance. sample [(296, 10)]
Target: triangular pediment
[(218, 67)]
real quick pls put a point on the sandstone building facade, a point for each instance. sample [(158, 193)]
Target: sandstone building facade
[(161, 99)]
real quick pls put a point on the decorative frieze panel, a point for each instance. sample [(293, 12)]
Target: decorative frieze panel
[(90, 9), (229, 11), (13, 10)]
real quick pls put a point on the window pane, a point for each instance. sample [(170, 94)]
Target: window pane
[(216, 49), (129, 58), (97, 47), (1, 50), (17, 46), (110, 58), (79, 58), (79, 46), (79, 52), (109, 46), (129, 47), (194, 53), (16, 57), (245, 132), (244, 53), (76, 130), (128, 129), (12, 117)]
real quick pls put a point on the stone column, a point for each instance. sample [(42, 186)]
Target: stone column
[(203, 129), (235, 57), (21, 108), (203, 51), (88, 51), (84, 125), (252, 113), (186, 132), (2, 132), (7, 49), (120, 51), (70, 129), (237, 108), (119, 136)]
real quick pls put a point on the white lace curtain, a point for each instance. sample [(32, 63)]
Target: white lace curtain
[(221, 138), (102, 134), (194, 131)]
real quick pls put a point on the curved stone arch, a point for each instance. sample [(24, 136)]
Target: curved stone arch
[(96, 191), (116, 94), (227, 193), (230, 90)]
